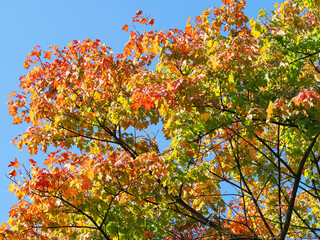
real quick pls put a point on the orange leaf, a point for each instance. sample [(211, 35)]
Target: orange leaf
[(47, 55), (49, 161), (143, 20), (86, 183), (125, 28), (13, 110), (14, 164), (206, 12), (17, 120), (227, 2), (205, 116), (148, 234)]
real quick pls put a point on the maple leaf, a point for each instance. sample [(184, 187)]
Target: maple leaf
[(49, 161), (17, 120), (47, 55), (151, 22), (13, 110), (86, 183), (15, 163), (206, 12), (205, 116), (32, 163), (143, 20), (26, 65), (125, 28), (12, 187), (13, 173)]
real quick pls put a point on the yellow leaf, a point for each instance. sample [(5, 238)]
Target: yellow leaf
[(11, 221), (195, 202), (57, 119), (255, 33), (229, 213), (231, 78), (12, 187), (212, 46), (74, 97), (214, 63)]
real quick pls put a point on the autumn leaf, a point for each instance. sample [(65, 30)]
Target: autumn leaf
[(143, 20), (47, 55), (32, 163), (49, 161), (13, 173), (12, 187), (205, 116), (36, 47), (125, 28), (206, 12), (151, 22), (86, 183), (13, 110), (15, 163), (17, 120), (26, 65)]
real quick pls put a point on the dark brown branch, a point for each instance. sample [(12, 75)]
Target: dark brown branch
[(295, 190), (84, 214), (252, 196), (275, 154), (205, 220)]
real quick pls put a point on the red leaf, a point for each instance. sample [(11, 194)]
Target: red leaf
[(13, 173), (119, 56), (139, 12), (306, 95), (14, 164), (151, 22), (32, 162)]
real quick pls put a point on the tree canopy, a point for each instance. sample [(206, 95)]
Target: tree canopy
[(237, 155)]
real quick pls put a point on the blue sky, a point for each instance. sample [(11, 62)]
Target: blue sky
[(25, 24)]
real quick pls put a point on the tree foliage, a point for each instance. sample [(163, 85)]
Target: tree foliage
[(237, 101)]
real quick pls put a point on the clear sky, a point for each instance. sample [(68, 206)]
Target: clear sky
[(25, 24)]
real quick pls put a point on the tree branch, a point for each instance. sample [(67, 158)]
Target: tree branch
[(295, 190)]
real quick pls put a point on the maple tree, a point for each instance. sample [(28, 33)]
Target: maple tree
[(237, 101)]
